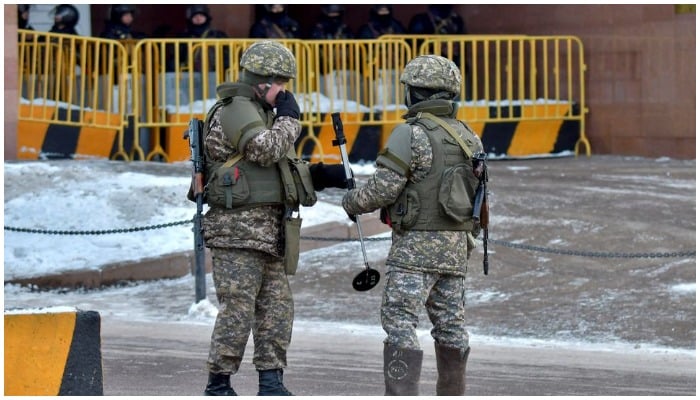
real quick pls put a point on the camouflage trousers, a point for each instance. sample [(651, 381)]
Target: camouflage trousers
[(406, 292), (254, 295)]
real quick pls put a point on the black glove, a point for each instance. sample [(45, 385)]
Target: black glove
[(286, 105), (328, 175)]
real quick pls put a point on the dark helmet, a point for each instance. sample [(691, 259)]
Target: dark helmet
[(269, 8), (197, 9), (329, 9), (117, 10), (382, 9), (67, 14)]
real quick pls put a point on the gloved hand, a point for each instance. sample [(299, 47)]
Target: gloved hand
[(286, 105), (328, 175)]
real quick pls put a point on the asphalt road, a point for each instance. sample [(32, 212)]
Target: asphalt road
[(167, 359)]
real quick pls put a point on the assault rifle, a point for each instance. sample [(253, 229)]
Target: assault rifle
[(480, 215), (194, 133)]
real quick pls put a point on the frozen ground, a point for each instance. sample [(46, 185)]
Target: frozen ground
[(589, 287)]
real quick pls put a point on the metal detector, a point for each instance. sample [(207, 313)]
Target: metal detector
[(368, 278)]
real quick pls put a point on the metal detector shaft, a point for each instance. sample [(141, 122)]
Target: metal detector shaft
[(340, 142)]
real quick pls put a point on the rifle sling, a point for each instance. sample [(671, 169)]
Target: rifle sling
[(449, 130)]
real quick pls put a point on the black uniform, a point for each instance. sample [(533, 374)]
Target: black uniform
[(331, 25), (381, 22), (275, 25), (115, 28)]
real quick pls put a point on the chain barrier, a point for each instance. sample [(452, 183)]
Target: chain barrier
[(598, 254), (103, 232)]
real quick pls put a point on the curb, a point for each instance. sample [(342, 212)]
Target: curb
[(53, 353), (179, 264)]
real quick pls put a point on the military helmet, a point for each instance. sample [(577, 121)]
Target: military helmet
[(433, 72), (269, 58)]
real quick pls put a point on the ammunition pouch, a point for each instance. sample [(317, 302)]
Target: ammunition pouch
[(300, 175), (403, 214)]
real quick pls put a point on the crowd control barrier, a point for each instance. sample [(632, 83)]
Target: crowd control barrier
[(53, 351), (524, 95)]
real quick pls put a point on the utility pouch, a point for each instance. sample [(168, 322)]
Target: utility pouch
[(404, 213), (454, 194), (292, 237), (302, 180), (228, 186)]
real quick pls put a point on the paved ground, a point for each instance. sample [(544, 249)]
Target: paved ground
[(586, 281), (160, 359)]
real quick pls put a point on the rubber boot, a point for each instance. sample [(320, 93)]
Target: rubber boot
[(219, 385), (402, 371), (452, 368), (270, 383)]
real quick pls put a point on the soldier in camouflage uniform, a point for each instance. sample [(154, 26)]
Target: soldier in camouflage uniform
[(420, 165), (247, 240)]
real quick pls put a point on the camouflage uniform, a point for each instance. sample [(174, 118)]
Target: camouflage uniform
[(247, 243), (425, 268)]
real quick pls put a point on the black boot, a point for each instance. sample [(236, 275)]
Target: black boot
[(219, 385), (402, 371), (451, 367), (270, 383)]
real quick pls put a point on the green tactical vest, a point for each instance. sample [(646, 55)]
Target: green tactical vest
[(241, 183), (443, 200)]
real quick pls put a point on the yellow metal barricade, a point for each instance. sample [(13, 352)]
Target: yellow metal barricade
[(180, 77), (71, 101), (526, 89)]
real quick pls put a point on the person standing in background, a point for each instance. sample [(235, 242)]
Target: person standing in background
[(23, 16), (331, 25), (275, 24), (381, 22), (199, 20), (119, 26), (65, 18)]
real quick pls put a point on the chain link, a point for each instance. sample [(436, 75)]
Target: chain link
[(503, 243)]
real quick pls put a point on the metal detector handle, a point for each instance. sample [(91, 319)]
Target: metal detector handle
[(341, 141)]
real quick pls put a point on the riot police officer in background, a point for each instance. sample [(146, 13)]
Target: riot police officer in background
[(439, 20), (331, 24), (199, 26), (275, 23), (65, 18), (381, 22), (199, 23), (424, 185), (23, 17), (119, 26)]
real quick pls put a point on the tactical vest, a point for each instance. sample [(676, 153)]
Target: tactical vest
[(240, 183), (443, 200)]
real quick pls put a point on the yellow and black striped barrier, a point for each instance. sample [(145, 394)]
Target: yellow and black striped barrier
[(50, 353), (512, 134)]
